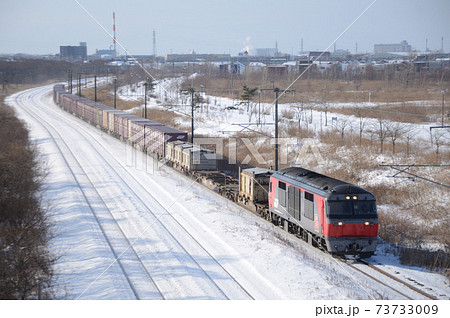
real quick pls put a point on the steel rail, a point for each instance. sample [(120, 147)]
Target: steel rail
[(398, 280)]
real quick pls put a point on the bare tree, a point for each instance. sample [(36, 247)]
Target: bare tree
[(342, 125), (381, 131), (439, 137), (394, 130), (324, 102), (409, 134), (406, 74), (362, 123), (357, 83)]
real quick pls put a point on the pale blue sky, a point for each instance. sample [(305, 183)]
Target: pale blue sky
[(209, 26)]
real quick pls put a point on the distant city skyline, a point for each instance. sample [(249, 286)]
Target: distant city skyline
[(41, 27)]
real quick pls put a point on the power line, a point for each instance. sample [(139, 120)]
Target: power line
[(403, 169)]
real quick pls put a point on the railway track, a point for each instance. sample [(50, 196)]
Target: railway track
[(196, 254), (398, 280), (391, 282), (121, 250), (194, 251)]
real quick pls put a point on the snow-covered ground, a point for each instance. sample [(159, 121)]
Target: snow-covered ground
[(190, 242), (222, 117)]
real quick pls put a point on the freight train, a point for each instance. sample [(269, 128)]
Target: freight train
[(336, 216)]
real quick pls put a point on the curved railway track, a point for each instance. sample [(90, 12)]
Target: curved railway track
[(398, 280), (97, 207), (195, 251), (413, 291)]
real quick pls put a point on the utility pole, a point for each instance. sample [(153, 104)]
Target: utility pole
[(95, 88), (79, 84), (192, 91), (443, 107), (192, 114), (70, 81), (259, 107), (115, 91), (145, 100), (277, 91)]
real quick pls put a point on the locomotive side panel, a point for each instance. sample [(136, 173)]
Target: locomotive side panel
[(294, 205)]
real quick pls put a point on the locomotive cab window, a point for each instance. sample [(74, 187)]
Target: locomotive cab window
[(340, 208), (343, 209), (364, 208)]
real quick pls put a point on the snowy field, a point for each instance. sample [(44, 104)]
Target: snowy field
[(125, 230), (223, 117)]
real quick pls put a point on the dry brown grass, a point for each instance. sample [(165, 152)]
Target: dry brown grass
[(331, 90), (105, 96), (400, 102)]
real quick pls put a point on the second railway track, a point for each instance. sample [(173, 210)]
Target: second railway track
[(194, 252), (122, 249)]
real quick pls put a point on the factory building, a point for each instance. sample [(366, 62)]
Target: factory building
[(73, 53), (389, 48)]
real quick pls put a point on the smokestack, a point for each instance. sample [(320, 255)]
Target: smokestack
[(114, 33), (154, 44)]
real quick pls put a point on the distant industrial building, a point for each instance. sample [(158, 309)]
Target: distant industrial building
[(265, 52), (73, 53), (319, 56), (389, 48), (105, 54), (193, 57)]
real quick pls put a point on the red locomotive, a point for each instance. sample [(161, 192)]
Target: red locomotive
[(337, 216)]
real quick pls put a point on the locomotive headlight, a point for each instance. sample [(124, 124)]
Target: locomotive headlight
[(347, 197), (368, 223), (340, 224), (355, 197)]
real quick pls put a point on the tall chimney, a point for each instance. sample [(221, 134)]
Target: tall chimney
[(114, 33)]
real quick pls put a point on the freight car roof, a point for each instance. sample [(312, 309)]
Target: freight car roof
[(258, 171), (319, 181)]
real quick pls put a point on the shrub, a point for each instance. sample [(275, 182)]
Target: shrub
[(25, 261)]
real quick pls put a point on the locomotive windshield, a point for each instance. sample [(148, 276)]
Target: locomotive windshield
[(356, 209)]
